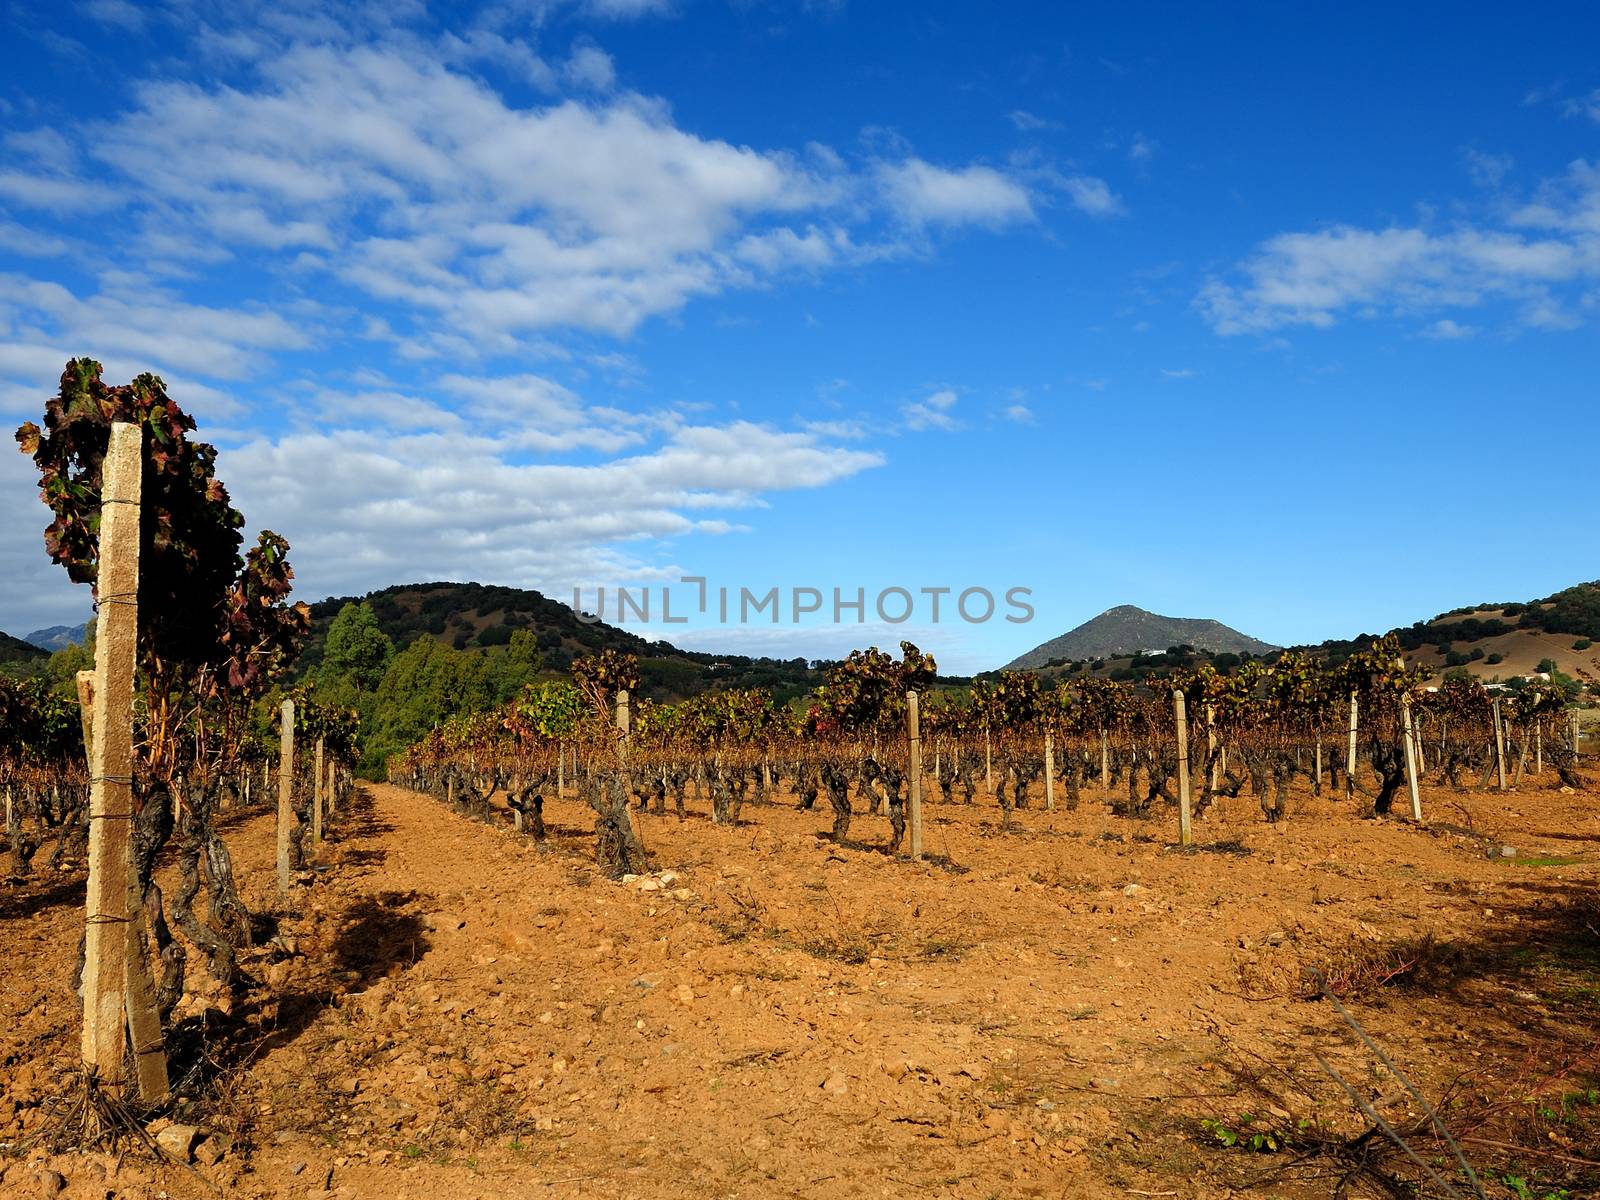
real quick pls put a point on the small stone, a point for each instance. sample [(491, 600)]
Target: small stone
[(51, 1182), (1133, 889), (835, 1084), (209, 1152), (668, 878), (178, 1141), (649, 885), (297, 1168), (681, 894), (1508, 852), (683, 994)]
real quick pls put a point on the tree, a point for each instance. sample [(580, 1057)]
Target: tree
[(357, 649)]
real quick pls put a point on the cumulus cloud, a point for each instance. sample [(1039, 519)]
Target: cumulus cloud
[(922, 193), (1538, 262), (363, 508)]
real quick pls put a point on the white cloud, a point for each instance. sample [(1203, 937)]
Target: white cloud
[(142, 324), (922, 193), (591, 67), (628, 10), (1028, 122), (1315, 278), (1140, 149), (118, 13), (935, 412), (1179, 373), (363, 509), (1093, 196), (1021, 414), (1584, 106), (1446, 330), (1486, 170)]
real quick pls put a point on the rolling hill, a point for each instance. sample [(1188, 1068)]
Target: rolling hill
[(18, 654), (1127, 630), (474, 616)]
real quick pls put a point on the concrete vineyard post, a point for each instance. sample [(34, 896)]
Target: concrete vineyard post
[(988, 762), (1105, 763), (1350, 753), (624, 724), (144, 1019), (317, 796), (333, 782), (561, 769), (914, 730), (1181, 718), (1049, 771), (1408, 735), (105, 964), (1499, 746), (1576, 733), (1538, 747), (285, 791)]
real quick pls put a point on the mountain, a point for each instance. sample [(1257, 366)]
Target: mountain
[(1126, 630), (59, 637), (476, 617)]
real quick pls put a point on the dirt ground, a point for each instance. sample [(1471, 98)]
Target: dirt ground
[(446, 1010)]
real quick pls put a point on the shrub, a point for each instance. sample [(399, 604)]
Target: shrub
[(1495, 658), (1582, 644), (1456, 659)]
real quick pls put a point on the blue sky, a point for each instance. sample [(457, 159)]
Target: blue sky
[(1286, 319)]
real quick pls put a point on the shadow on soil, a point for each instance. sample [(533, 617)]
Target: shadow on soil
[(27, 898)]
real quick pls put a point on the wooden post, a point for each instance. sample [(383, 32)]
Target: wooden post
[(285, 791), (1318, 763), (317, 796), (561, 768), (1049, 770), (105, 966), (333, 785), (1212, 763), (1538, 747), (1577, 733), (1350, 754), (1185, 834), (988, 762), (1105, 763), (1499, 746), (624, 723), (914, 728), (1408, 734)]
